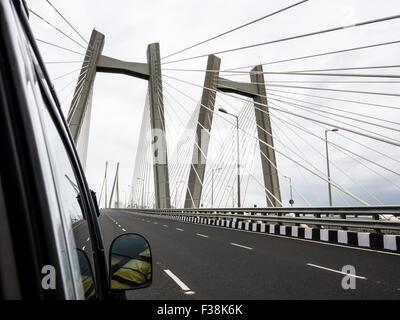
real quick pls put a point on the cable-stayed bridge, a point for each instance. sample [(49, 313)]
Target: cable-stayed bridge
[(293, 146)]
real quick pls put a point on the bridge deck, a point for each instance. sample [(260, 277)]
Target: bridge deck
[(217, 263)]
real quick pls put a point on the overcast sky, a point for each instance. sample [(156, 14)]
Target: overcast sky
[(118, 101)]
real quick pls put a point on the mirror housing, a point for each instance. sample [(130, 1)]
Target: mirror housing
[(130, 263), (87, 278)]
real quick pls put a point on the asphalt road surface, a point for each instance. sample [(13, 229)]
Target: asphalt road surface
[(193, 261)]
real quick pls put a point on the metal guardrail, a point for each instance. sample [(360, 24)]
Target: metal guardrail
[(321, 215)]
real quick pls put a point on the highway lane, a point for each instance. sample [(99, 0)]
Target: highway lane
[(82, 238), (205, 262)]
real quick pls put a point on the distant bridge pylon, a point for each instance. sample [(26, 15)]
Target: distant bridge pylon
[(80, 110), (256, 91)]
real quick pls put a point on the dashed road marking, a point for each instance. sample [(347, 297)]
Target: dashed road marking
[(179, 229), (179, 282), (201, 235), (336, 271)]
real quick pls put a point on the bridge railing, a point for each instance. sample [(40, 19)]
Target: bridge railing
[(373, 217)]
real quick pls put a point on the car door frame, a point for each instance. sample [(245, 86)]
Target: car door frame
[(28, 181)]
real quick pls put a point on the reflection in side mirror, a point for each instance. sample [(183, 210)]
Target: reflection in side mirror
[(130, 263), (87, 281)]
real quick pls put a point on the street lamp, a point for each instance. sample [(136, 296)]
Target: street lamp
[(327, 164), (291, 201), (142, 189), (237, 149), (212, 185)]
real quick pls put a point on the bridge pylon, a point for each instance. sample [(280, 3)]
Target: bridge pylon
[(78, 118), (255, 90), (159, 142), (79, 114), (265, 137), (204, 123)]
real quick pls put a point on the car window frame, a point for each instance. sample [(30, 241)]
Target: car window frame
[(53, 106), (88, 207), (27, 208)]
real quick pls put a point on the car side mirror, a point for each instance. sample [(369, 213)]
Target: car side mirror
[(88, 284), (130, 263)]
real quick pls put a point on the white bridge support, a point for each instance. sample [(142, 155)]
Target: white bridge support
[(150, 71), (115, 189)]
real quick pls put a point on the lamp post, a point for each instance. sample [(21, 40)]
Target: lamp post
[(291, 201), (237, 149), (327, 164), (141, 179), (212, 186)]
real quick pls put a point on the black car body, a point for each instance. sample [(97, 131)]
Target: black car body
[(48, 214)]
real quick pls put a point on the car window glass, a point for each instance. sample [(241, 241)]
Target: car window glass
[(24, 67), (71, 201)]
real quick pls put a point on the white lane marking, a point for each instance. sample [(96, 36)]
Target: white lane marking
[(201, 235), (190, 292), (87, 239), (165, 226), (179, 282), (155, 222), (119, 226), (83, 248), (240, 246), (123, 230), (336, 271), (179, 229)]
